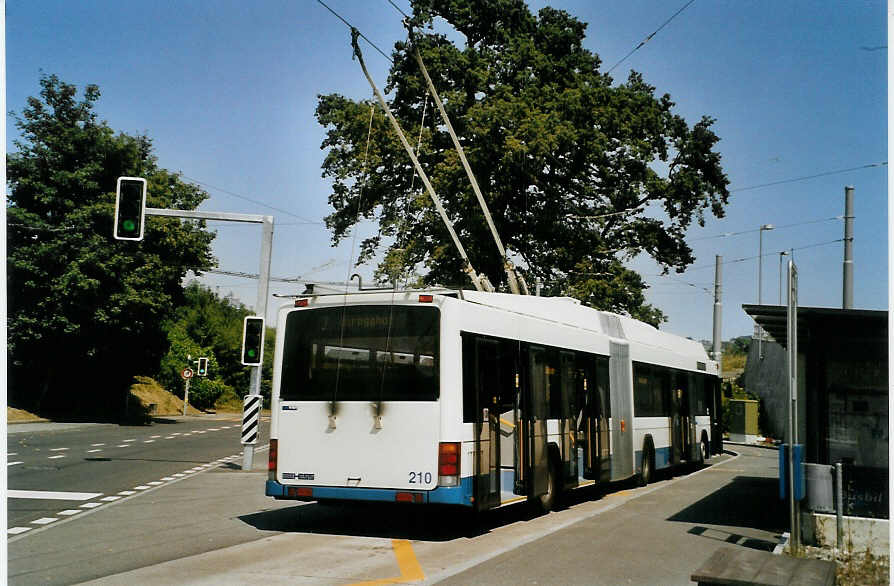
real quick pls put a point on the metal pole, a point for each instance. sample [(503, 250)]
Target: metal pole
[(847, 296), (186, 396), (839, 505), (760, 328), (248, 450), (781, 254), (792, 368), (718, 306)]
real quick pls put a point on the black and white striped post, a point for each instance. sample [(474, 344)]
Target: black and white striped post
[(251, 421)]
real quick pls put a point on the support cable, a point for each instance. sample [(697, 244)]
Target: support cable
[(477, 280)]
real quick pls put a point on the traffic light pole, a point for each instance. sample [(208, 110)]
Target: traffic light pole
[(263, 280)]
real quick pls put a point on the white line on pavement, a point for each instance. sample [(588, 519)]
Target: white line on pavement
[(17, 530), (55, 457), (140, 487), (44, 521), (58, 449), (8, 464), (96, 445), (127, 492), (94, 451), (69, 512), (52, 495), (109, 499), (91, 505)]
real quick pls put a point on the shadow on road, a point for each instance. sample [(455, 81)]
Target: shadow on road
[(749, 502)]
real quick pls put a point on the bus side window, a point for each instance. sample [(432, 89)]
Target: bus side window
[(602, 384)]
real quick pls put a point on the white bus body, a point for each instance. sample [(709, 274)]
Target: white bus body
[(477, 399)]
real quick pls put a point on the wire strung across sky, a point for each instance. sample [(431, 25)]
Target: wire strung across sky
[(726, 234), (354, 28), (806, 177), (649, 38), (249, 199)]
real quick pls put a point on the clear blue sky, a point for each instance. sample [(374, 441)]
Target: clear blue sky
[(227, 92)]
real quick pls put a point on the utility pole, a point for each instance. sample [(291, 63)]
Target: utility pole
[(847, 296), (718, 307)]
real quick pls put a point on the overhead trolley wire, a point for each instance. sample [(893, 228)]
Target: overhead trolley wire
[(246, 198), (649, 38), (353, 28), (739, 233), (806, 177)]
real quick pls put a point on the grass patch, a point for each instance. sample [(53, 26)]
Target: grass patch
[(862, 569), (14, 415), (228, 402), (148, 392), (733, 362)]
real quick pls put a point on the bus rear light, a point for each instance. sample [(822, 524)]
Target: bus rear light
[(271, 460), (301, 492), (301, 303), (426, 298), (448, 464), (408, 497)]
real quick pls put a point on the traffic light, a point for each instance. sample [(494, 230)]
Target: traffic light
[(203, 367), (130, 206), (253, 341)]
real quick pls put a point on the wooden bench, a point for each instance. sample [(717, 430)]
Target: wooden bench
[(742, 566)]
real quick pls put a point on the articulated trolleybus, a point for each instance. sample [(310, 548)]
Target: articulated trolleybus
[(478, 399)]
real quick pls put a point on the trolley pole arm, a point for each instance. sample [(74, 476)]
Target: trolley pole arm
[(507, 264), (475, 278)]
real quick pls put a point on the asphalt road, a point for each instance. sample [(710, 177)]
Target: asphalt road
[(216, 527), (59, 471)]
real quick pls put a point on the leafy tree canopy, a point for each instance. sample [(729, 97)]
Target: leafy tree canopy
[(85, 310), (579, 174)]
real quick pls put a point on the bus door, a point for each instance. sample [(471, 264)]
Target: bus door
[(567, 427), (585, 418), (603, 412), (681, 433), (487, 423), (535, 406)]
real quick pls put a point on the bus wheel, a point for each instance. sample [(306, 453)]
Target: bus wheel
[(703, 451), (648, 465), (550, 499)]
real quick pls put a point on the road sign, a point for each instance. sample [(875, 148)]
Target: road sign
[(186, 373), (251, 415)]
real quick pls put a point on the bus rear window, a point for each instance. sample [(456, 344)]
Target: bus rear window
[(361, 353)]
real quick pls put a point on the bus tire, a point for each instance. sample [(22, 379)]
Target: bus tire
[(550, 499), (703, 451), (647, 467)]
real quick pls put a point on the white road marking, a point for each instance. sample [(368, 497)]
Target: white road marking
[(44, 521), (187, 472), (127, 492), (167, 478), (109, 499), (122, 446), (170, 437), (91, 505), (12, 454), (69, 512), (178, 433), (17, 530), (52, 495), (154, 483), (148, 441), (213, 429), (94, 451), (155, 436), (179, 475), (129, 440), (55, 457), (8, 464), (58, 449), (198, 431), (96, 445), (140, 487)]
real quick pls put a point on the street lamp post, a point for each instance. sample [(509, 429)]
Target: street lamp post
[(781, 254), (760, 281)]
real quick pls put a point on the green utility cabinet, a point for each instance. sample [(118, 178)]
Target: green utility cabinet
[(743, 420)]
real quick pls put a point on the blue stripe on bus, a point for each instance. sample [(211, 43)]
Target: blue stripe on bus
[(452, 495), (662, 458)]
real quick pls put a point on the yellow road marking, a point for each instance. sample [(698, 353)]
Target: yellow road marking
[(410, 570)]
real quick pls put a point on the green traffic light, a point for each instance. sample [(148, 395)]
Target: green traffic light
[(129, 225), (251, 353)]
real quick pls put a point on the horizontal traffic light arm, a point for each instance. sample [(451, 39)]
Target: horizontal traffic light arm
[(197, 215)]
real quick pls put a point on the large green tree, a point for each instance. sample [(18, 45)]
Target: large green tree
[(85, 310), (581, 174)]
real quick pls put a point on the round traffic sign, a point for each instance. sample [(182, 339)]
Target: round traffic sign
[(186, 373)]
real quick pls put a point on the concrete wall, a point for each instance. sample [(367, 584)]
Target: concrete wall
[(860, 534)]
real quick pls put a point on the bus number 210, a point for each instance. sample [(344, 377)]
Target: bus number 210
[(420, 478)]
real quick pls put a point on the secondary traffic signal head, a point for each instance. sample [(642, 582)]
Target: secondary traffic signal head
[(130, 207), (203, 367), (253, 341)]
